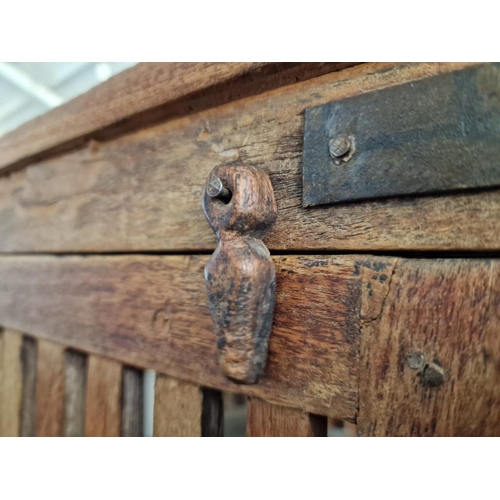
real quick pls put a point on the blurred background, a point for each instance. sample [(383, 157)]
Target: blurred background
[(31, 89)]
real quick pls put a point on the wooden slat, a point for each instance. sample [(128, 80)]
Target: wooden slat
[(10, 383), (448, 311), (132, 403), (183, 409), (145, 94), (28, 404), (178, 408), (152, 312), (50, 374), (268, 420), (74, 394), (103, 402)]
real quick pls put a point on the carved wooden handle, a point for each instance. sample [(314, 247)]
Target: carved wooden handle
[(240, 276)]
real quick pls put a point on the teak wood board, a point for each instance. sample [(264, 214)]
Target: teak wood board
[(142, 192), (152, 312), (448, 312), (143, 95), (342, 329)]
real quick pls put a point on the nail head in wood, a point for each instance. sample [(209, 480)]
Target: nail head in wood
[(215, 189)]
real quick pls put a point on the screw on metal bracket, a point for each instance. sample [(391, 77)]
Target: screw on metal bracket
[(215, 189), (341, 148)]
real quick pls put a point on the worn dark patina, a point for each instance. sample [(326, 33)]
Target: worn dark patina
[(433, 135), (239, 205)]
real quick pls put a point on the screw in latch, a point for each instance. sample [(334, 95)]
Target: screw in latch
[(341, 148), (215, 189)]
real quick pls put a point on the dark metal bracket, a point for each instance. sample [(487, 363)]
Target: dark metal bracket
[(429, 136)]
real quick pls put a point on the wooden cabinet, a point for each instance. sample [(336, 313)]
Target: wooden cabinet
[(387, 311)]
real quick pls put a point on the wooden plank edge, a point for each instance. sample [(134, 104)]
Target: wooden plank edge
[(170, 90), (344, 268)]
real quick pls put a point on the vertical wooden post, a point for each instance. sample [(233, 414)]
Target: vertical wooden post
[(132, 403), (267, 420), (49, 389), (178, 408), (184, 409), (10, 383), (103, 402)]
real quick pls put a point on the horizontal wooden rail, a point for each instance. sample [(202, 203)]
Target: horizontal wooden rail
[(143, 95), (402, 346), (143, 192), (152, 312)]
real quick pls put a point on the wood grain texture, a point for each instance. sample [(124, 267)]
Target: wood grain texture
[(11, 377), (28, 403), (448, 311), (268, 420), (178, 408), (50, 374), (74, 394), (142, 192), (146, 94), (103, 400), (152, 312), (132, 402)]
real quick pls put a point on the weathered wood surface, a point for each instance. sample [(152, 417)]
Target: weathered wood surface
[(146, 94), (74, 394), (103, 400), (152, 312), (178, 408), (50, 376), (132, 402), (142, 192), (11, 378), (28, 403), (268, 420), (449, 312), (240, 275)]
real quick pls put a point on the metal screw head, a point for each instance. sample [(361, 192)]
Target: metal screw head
[(433, 375), (339, 146), (415, 360), (215, 188)]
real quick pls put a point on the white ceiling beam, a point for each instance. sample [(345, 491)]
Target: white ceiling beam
[(27, 84)]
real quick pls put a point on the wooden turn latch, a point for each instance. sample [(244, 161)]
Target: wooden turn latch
[(239, 204)]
